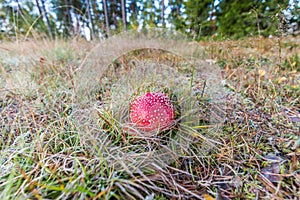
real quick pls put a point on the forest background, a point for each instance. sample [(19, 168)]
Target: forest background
[(101, 18)]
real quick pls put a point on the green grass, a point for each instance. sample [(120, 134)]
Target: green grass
[(66, 132)]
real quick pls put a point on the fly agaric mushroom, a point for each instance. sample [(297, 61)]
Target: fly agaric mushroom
[(152, 111)]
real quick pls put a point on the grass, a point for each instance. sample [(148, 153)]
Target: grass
[(66, 134)]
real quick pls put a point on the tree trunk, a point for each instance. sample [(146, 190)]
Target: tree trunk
[(77, 28), (69, 18), (178, 8), (123, 5), (106, 17), (91, 24), (39, 8), (43, 13), (20, 9), (163, 13), (114, 10)]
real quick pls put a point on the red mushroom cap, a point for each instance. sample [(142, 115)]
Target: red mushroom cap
[(152, 111)]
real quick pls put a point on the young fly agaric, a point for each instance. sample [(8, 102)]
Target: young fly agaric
[(152, 111)]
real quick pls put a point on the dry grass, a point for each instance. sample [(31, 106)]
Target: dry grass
[(65, 131)]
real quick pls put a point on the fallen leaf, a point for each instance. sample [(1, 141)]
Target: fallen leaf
[(271, 172), (208, 197), (282, 79), (261, 72), (227, 68), (292, 115)]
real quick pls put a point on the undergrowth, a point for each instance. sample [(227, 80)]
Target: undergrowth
[(66, 134)]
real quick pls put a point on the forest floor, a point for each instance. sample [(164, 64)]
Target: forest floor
[(66, 134)]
